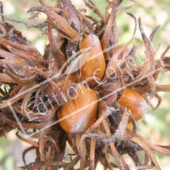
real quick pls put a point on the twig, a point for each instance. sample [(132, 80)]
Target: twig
[(39, 25)]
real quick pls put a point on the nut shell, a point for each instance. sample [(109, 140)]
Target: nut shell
[(96, 58), (134, 102), (80, 112)]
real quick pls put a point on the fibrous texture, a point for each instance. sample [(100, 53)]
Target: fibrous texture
[(84, 57)]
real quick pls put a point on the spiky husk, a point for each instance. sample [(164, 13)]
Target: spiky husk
[(27, 78)]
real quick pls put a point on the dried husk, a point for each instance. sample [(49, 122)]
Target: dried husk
[(27, 77)]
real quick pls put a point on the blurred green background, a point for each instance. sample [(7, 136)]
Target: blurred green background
[(156, 124)]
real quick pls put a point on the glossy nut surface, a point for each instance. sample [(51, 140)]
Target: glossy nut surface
[(96, 61), (80, 113), (134, 102)]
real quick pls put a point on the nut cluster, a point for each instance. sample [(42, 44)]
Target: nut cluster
[(85, 90)]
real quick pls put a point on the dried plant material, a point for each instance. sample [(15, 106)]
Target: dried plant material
[(86, 90)]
